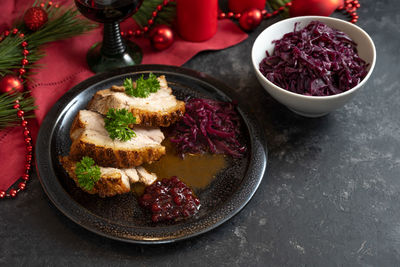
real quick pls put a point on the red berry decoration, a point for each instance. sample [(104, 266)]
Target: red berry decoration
[(161, 37), (170, 200), (11, 83), (21, 186), (13, 192), (250, 19), (35, 18), (314, 7)]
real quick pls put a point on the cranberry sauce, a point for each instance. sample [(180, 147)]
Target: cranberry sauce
[(170, 200)]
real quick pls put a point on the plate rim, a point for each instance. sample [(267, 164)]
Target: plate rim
[(44, 169)]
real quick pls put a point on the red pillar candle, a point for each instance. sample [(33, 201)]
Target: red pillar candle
[(239, 6), (197, 19)]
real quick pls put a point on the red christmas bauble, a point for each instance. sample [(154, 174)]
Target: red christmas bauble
[(161, 37), (11, 83), (35, 18), (250, 19), (314, 7)]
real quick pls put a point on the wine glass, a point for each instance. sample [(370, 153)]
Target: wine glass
[(113, 52)]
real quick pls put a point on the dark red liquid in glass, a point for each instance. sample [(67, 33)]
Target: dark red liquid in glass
[(107, 10)]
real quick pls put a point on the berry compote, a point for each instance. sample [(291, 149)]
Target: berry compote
[(170, 200)]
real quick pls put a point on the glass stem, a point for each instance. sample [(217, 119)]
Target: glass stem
[(112, 41)]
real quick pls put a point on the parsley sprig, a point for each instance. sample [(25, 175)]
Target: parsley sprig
[(144, 87), (87, 173), (117, 123)]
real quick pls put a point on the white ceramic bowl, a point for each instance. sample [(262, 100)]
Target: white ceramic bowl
[(311, 106)]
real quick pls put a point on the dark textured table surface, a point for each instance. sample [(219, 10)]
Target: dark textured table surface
[(331, 194)]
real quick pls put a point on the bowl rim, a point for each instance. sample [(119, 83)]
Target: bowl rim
[(306, 97)]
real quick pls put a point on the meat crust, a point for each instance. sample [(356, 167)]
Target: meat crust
[(89, 138), (159, 109)]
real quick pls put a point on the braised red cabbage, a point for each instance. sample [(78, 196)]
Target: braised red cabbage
[(208, 126), (316, 60)]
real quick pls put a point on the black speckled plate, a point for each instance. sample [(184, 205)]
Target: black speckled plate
[(120, 217)]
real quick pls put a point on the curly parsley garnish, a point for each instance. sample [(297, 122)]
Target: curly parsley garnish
[(143, 86), (88, 174), (117, 123)]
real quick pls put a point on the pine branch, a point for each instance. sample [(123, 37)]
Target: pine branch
[(276, 4), (8, 115), (165, 16), (63, 23)]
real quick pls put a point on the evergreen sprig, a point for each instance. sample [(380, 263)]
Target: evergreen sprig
[(63, 23), (276, 4), (8, 115), (165, 16)]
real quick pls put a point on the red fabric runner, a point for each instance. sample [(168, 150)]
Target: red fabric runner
[(64, 66)]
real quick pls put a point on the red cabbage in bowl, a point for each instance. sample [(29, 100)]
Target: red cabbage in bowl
[(316, 61)]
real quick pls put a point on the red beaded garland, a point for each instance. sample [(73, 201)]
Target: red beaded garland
[(12, 192), (25, 52), (21, 185), (150, 22), (28, 141), (350, 7), (21, 71)]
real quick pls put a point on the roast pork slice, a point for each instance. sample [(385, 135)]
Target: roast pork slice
[(90, 138), (112, 181), (158, 109)]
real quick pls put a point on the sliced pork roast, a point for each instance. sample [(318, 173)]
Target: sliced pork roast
[(112, 181), (158, 109), (90, 138)]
